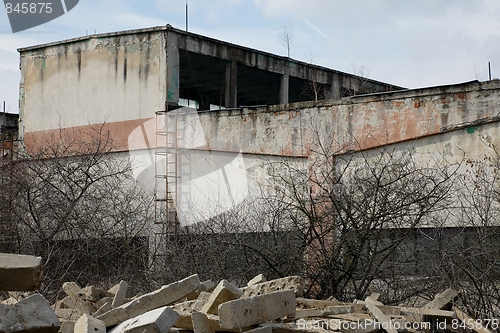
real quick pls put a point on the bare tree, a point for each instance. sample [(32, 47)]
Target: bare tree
[(286, 37), (74, 202), (354, 212)]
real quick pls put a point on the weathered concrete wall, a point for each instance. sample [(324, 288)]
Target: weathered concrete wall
[(362, 122), (354, 123), (92, 80)]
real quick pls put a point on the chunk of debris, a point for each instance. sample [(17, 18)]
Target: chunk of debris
[(257, 310), (26, 270), (32, 314), (225, 291), (158, 298), (201, 324), (120, 294), (258, 279), (155, 321), (295, 283), (77, 295), (88, 324)]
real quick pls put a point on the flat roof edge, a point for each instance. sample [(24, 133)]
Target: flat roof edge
[(82, 38), (168, 27)]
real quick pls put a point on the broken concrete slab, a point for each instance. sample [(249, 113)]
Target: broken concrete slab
[(155, 321), (201, 323), (443, 301), (19, 272), (32, 314), (120, 294), (258, 279), (295, 283), (88, 324), (158, 298), (225, 291), (257, 310)]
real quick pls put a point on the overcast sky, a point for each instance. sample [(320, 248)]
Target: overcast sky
[(413, 44)]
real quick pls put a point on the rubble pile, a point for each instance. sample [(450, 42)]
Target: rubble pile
[(190, 305)]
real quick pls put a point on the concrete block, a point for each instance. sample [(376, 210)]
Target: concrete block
[(295, 283), (32, 314), (201, 324), (120, 294), (77, 295), (257, 310), (258, 279), (225, 291), (19, 272), (155, 321), (158, 298), (88, 324)]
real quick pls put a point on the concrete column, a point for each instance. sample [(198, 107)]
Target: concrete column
[(336, 83), (173, 67), (285, 82), (231, 97)]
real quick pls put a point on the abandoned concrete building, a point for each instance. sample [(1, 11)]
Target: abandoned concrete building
[(169, 98)]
